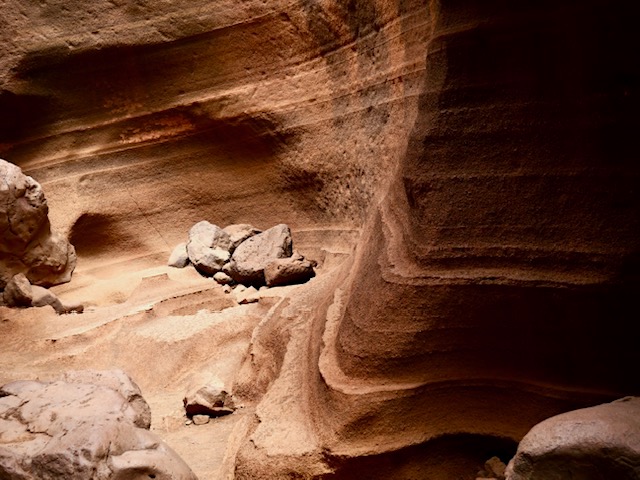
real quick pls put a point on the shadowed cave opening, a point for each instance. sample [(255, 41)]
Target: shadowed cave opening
[(454, 456)]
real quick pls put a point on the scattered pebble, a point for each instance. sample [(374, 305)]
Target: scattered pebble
[(200, 419)]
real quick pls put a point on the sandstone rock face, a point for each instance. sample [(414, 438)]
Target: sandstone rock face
[(254, 254), (27, 244), (594, 443), (486, 150), (78, 429)]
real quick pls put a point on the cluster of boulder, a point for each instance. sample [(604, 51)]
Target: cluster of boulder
[(242, 254)]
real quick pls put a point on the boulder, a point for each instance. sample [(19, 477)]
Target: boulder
[(208, 247), (179, 257), (85, 428), (27, 244), (239, 233), (42, 297), (119, 381), (247, 295), (18, 292), (211, 400), (222, 278), (286, 271), (596, 443), (254, 254)]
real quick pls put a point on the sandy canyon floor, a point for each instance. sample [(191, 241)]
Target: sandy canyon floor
[(170, 329)]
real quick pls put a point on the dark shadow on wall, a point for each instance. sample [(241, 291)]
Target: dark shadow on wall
[(459, 456)]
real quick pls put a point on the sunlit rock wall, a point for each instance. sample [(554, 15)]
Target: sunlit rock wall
[(495, 284), (487, 148), (140, 119)]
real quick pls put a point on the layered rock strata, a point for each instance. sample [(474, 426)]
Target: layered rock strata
[(486, 148)]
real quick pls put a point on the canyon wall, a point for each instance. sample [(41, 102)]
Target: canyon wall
[(485, 149)]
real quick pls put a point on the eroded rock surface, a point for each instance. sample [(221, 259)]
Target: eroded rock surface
[(92, 425), (487, 150), (27, 244), (596, 443)]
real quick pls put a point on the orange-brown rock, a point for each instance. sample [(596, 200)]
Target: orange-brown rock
[(27, 244), (484, 150)]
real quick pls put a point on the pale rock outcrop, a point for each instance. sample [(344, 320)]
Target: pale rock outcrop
[(119, 381), (86, 428), (254, 254), (179, 257), (596, 443), (286, 271), (27, 244), (208, 247), (238, 233)]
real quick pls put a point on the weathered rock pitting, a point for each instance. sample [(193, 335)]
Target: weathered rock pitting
[(91, 425)]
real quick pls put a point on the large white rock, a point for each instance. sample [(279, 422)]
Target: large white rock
[(91, 426), (597, 443)]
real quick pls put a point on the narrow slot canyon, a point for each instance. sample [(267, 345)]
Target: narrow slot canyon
[(457, 193)]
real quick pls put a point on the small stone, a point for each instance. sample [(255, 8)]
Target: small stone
[(495, 467), (249, 295), (179, 257), (222, 278), (200, 419), (189, 422), (227, 289), (211, 400)]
